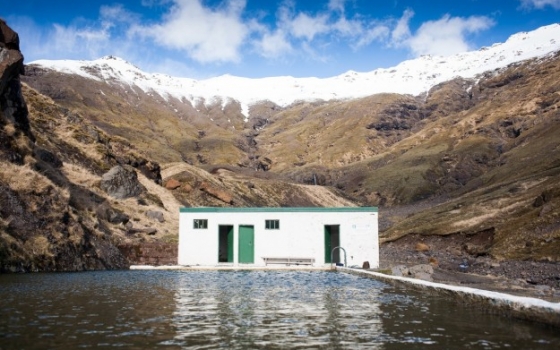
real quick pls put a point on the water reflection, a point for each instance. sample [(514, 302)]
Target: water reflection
[(276, 310), (243, 310)]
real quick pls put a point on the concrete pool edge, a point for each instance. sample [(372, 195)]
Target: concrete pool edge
[(527, 308), (231, 267)]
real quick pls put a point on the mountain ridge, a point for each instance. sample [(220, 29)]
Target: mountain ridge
[(409, 77)]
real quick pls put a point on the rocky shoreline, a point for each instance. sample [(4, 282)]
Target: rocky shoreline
[(429, 262)]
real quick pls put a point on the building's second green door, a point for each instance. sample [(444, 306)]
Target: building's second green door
[(246, 244)]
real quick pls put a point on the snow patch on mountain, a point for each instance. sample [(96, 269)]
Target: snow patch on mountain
[(409, 77)]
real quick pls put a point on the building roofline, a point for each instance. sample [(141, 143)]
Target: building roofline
[(276, 209)]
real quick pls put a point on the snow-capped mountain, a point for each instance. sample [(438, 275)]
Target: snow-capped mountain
[(409, 77)]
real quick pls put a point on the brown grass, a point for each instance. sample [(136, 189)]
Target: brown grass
[(10, 130), (23, 179), (38, 246)]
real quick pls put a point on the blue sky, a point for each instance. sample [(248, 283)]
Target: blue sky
[(260, 38)]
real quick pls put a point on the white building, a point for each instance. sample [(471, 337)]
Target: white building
[(289, 236)]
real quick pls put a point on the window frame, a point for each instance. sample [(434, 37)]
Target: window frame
[(272, 224), (200, 224)]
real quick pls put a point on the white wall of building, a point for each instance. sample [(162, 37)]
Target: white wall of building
[(301, 234)]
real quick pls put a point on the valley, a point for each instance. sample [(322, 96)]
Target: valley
[(471, 156)]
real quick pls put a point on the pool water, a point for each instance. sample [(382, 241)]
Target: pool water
[(244, 310)]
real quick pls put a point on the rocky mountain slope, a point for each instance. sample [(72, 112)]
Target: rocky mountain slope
[(471, 166)]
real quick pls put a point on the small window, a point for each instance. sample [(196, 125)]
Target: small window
[(272, 224), (200, 223)]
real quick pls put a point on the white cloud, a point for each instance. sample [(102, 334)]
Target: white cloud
[(378, 32), (206, 34), (304, 26), (337, 5), (348, 27), (401, 31), (168, 66), (540, 4), (76, 41), (444, 37), (82, 39), (116, 12), (310, 35), (273, 45)]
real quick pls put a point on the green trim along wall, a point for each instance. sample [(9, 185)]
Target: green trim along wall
[(276, 209)]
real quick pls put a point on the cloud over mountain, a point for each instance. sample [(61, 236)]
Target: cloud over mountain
[(199, 38), (443, 37)]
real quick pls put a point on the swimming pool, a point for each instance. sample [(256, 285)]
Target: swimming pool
[(242, 310)]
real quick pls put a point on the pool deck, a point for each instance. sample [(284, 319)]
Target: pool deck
[(231, 267)]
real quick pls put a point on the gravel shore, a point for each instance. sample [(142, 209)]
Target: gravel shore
[(455, 266)]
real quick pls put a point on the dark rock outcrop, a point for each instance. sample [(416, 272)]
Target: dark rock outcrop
[(12, 103), (14, 120), (148, 168), (47, 157), (112, 215)]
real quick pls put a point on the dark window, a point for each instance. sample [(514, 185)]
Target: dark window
[(200, 223), (272, 224)]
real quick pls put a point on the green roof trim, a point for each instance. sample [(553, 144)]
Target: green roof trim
[(277, 210)]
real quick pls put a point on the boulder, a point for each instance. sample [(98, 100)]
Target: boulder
[(421, 270), (147, 230), (172, 184), (121, 182), (217, 193), (433, 261), (423, 276), (155, 215), (47, 157), (187, 188), (399, 270), (422, 247), (110, 214), (476, 249), (150, 231)]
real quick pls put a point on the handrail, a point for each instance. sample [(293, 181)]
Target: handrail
[(332, 254)]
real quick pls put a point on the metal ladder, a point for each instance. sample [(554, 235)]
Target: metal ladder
[(332, 255)]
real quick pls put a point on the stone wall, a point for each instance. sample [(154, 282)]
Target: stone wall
[(156, 254)]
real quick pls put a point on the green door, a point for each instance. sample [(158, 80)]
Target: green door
[(246, 244)]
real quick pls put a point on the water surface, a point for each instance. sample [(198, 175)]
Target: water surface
[(244, 310)]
